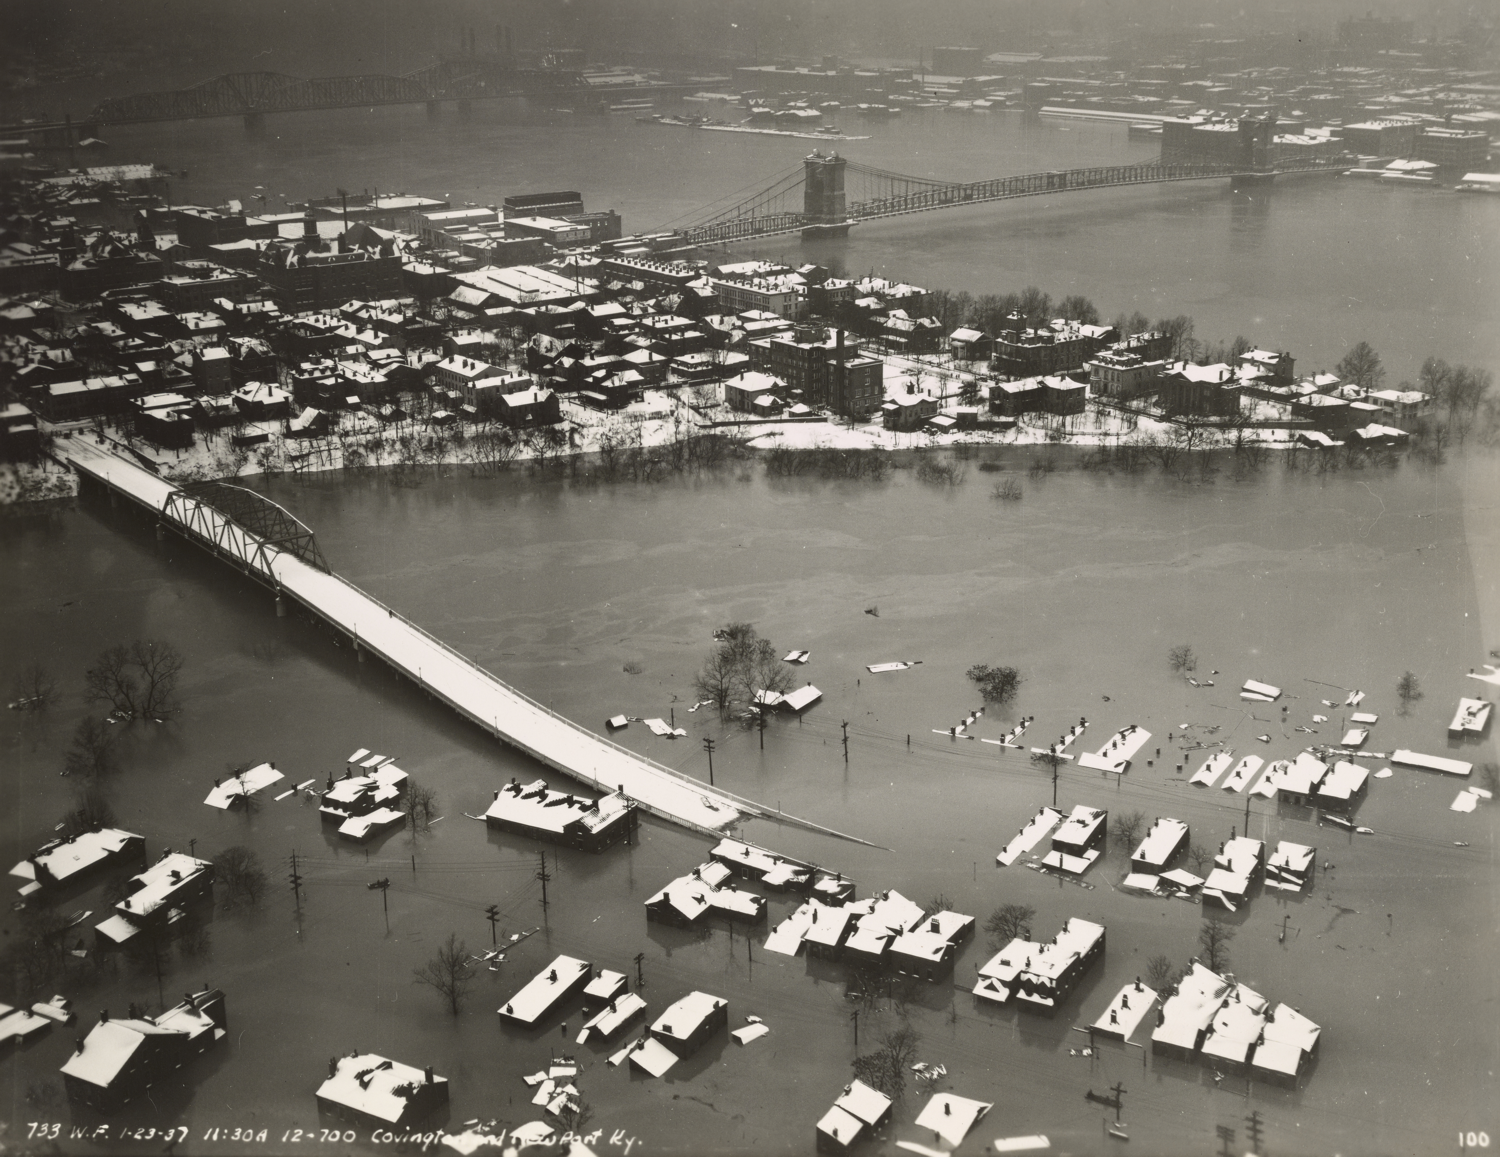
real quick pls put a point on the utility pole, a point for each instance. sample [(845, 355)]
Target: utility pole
[(384, 885), (708, 746), (845, 726), (543, 875), (193, 847), (296, 879), (1247, 812), (1253, 1127), (1226, 1139), (1119, 1091), (492, 914), (640, 981), (760, 726), (854, 1016)]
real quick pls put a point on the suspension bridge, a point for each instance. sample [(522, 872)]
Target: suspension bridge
[(254, 94), (270, 546), (826, 195)]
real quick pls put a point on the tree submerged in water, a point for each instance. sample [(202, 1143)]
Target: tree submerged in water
[(1408, 689), (996, 684), (740, 667), (1181, 658)]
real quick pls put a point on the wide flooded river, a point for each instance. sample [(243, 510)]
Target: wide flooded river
[(1308, 581)]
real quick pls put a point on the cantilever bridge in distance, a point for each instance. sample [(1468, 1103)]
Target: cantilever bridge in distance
[(825, 195), (270, 546)]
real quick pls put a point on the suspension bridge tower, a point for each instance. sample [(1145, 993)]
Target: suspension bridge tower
[(823, 201)]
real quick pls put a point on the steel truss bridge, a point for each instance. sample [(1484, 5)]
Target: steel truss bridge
[(812, 199), (244, 528), (253, 94)]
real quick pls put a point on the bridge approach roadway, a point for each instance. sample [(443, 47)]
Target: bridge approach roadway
[(287, 561)]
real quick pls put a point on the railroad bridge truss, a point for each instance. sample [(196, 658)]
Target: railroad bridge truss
[(828, 194)]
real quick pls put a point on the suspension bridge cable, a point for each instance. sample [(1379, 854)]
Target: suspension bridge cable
[(703, 211)]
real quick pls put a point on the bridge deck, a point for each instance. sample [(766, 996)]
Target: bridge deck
[(463, 684)]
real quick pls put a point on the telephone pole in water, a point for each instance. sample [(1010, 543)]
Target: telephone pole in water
[(708, 746), (383, 886), (1253, 1127), (492, 913), (296, 880), (543, 875)]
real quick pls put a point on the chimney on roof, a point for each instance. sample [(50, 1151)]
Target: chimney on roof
[(429, 1074), (77, 1044), (104, 1016)]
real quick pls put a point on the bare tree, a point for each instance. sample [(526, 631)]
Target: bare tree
[(159, 664), (238, 869), (92, 753), (1181, 658), (33, 688), (449, 972), (739, 667), (939, 903), (1361, 367), (421, 802), (1214, 937), (885, 1069), (137, 680), (1009, 921), (1034, 305), (91, 811), (1408, 689), (1127, 826), (1159, 972), (1076, 307), (1179, 330), (715, 680), (1200, 856), (110, 680)]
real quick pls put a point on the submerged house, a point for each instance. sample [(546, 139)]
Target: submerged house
[(1290, 867), (929, 948), (157, 896), (66, 861), (1042, 974), (782, 873), (362, 805), (562, 817), (703, 891), (1236, 866), (689, 1022), (560, 980), (859, 1111), (1164, 839), (120, 1060), (1079, 841), (372, 1091)]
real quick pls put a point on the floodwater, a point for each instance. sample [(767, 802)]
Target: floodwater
[(1287, 577), (1301, 580), (1313, 265)]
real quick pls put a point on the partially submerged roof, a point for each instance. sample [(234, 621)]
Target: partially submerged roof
[(951, 1116), (374, 1086)]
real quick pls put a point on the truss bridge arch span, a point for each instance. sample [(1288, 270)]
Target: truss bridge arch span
[(243, 526)]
